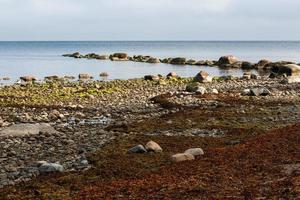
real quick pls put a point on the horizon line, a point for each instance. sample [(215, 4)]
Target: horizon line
[(149, 40)]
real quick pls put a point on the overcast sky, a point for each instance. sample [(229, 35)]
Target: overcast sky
[(149, 19)]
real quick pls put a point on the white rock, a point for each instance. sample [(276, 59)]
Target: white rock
[(195, 151), (180, 157), (153, 146)]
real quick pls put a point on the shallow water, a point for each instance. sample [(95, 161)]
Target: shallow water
[(42, 59)]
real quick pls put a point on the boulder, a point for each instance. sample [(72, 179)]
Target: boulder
[(138, 149), (262, 63), (172, 74), (288, 69), (180, 157), (153, 146), (153, 60), (259, 92), (227, 60), (191, 62), (195, 87), (195, 151), (28, 78), (119, 57), (166, 60), (203, 77), (102, 57), (178, 61), (84, 76), (247, 65), (151, 78), (51, 168), (103, 74), (19, 130), (141, 58)]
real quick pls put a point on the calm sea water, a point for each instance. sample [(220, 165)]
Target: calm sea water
[(44, 58)]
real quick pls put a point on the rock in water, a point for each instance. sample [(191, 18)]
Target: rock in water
[(180, 157), (227, 60), (153, 60), (50, 168), (84, 76), (195, 151), (19, 130), (28, 78), (153, 146), (178, 61), (289, 69), (138, 149)]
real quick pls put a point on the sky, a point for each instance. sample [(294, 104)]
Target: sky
[(149, 20)]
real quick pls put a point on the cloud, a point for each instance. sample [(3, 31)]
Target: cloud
[(148, 19)]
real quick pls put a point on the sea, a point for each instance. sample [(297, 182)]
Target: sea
[(44, 58)]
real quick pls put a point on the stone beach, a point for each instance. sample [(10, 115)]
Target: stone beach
[(61, 126)]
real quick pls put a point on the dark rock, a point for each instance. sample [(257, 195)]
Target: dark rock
[(247, 65), (151, 78), (138, 149), (153, 60), (178, 61), (28, 78), (227, 60), (203, 77)]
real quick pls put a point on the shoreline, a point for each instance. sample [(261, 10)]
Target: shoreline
[(83, 118)]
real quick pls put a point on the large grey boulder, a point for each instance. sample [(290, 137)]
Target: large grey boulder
[(19, 130)]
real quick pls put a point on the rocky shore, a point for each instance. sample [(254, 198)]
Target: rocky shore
[(229, 61), (61, 126)]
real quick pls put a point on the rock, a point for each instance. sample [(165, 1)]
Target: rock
[(153, 146), (182, 157), (289, 70), (178, 61), (138, 149), (166, 60), (6, 78), (84, 76), (247, 75), (153, 60), (151, 78), (141, 58), (19, 130), (103, 74), (119, 57), (172, 74), (213, 91), (74, 55), (227, 60), (259, 92), (247, 65), (195, 151), (28, 78), (191, 62), (262, 63), (203, 77), (102, 57), (50, 168), (246, 92), (91, 56), (292, 79), (195, 87)]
